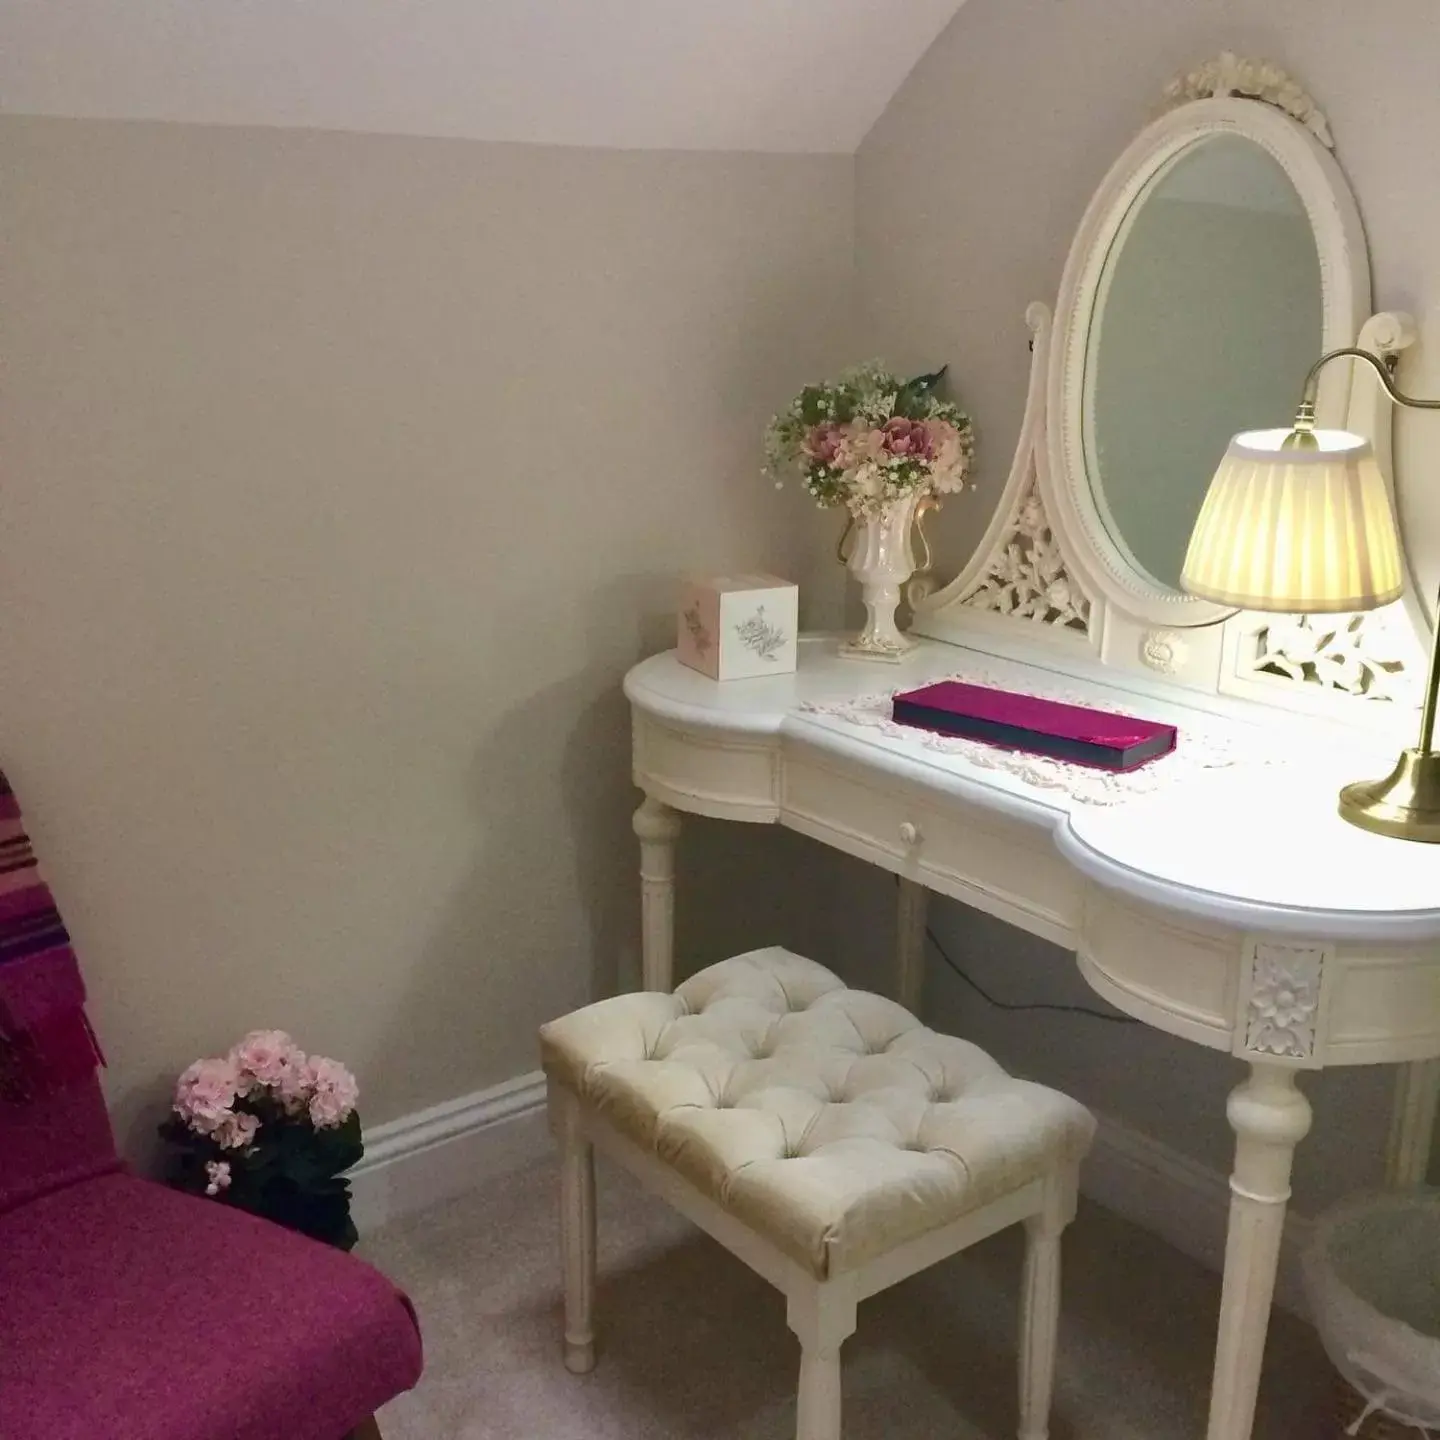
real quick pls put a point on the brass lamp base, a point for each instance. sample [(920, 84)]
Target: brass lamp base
[(1405, 804)]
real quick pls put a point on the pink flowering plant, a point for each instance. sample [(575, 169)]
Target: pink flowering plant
[(871, 438), (270, 1129)]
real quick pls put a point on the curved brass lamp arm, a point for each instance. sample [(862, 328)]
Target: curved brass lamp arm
[(1304, 422), (1305, 415)]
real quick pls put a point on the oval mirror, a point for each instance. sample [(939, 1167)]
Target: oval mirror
[(1221, 255), (1208, 313)]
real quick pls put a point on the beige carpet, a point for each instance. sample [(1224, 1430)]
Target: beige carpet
[(694, 1347)]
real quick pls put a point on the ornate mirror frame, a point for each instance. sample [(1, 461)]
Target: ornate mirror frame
[(1048, 572)]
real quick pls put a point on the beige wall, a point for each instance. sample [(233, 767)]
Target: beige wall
[(344, 477), (968, 190)]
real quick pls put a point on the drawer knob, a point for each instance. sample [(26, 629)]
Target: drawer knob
[(909, 834)]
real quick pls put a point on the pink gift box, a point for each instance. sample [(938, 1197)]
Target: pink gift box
[(738, 627)]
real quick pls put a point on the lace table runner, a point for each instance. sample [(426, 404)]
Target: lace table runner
[(1200, 745)]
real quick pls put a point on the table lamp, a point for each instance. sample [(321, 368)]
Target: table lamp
[(1300, 521)]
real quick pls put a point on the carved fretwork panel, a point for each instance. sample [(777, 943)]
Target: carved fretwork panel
[(1028, 578), (1371, 655)]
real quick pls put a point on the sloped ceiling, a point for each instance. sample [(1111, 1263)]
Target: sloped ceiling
[(769, 75)]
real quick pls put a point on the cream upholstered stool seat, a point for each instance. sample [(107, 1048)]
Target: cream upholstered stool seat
[(822, 1134)]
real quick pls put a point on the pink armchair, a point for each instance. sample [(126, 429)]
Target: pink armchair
[(129, 1311)]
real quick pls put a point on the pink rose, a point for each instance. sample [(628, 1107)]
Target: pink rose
[(823, 442), (858, 447), (237, 1131), (264, 1058), (204, 1094), (907, 439), (333, 1093), (951, 456)]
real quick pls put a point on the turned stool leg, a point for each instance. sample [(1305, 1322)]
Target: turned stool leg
[(577, 1231), (823, 1319), (817, 1412), (1040, 1304)]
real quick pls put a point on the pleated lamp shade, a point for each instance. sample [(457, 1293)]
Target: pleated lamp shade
[(1299, 529)]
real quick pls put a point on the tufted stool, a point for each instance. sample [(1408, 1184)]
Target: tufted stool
[(824, 1136)]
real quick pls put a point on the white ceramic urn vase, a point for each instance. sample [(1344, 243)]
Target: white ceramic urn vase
[(880, 555)]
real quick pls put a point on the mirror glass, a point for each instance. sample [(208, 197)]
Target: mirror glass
[(1208, 314)]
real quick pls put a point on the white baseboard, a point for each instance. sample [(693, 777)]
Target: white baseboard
[(1187, 1204), (421, 1159)]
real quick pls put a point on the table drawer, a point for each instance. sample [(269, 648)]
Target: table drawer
[(1180, 978), (1002, 866), (726, 779)]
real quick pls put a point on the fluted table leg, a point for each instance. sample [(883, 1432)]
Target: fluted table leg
[(910, 947), (1270, 1117), (1412, 1124), (658, 828)]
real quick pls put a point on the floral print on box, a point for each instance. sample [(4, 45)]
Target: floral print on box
[(759, 635), (738, 627)]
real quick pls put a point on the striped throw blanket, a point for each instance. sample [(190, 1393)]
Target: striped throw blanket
[(45, 1039)]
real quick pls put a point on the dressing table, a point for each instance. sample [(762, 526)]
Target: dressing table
[(1215, 895)]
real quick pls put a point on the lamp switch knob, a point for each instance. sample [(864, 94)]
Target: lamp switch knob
[(909, 834)]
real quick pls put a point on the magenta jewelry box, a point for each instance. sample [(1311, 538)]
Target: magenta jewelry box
[(1026, 722)]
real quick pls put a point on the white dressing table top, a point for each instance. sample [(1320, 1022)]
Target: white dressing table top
[(1262, 848), (663, 687), (1254, 845)]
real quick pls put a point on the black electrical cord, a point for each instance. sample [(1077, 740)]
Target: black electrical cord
[(989, 999)]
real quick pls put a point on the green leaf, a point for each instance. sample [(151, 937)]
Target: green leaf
[(811, 400)]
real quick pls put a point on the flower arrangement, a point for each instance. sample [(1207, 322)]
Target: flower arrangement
[(870, 438), (269, 1129)]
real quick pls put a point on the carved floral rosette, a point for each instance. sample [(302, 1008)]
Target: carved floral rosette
[(1283, 1013)]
